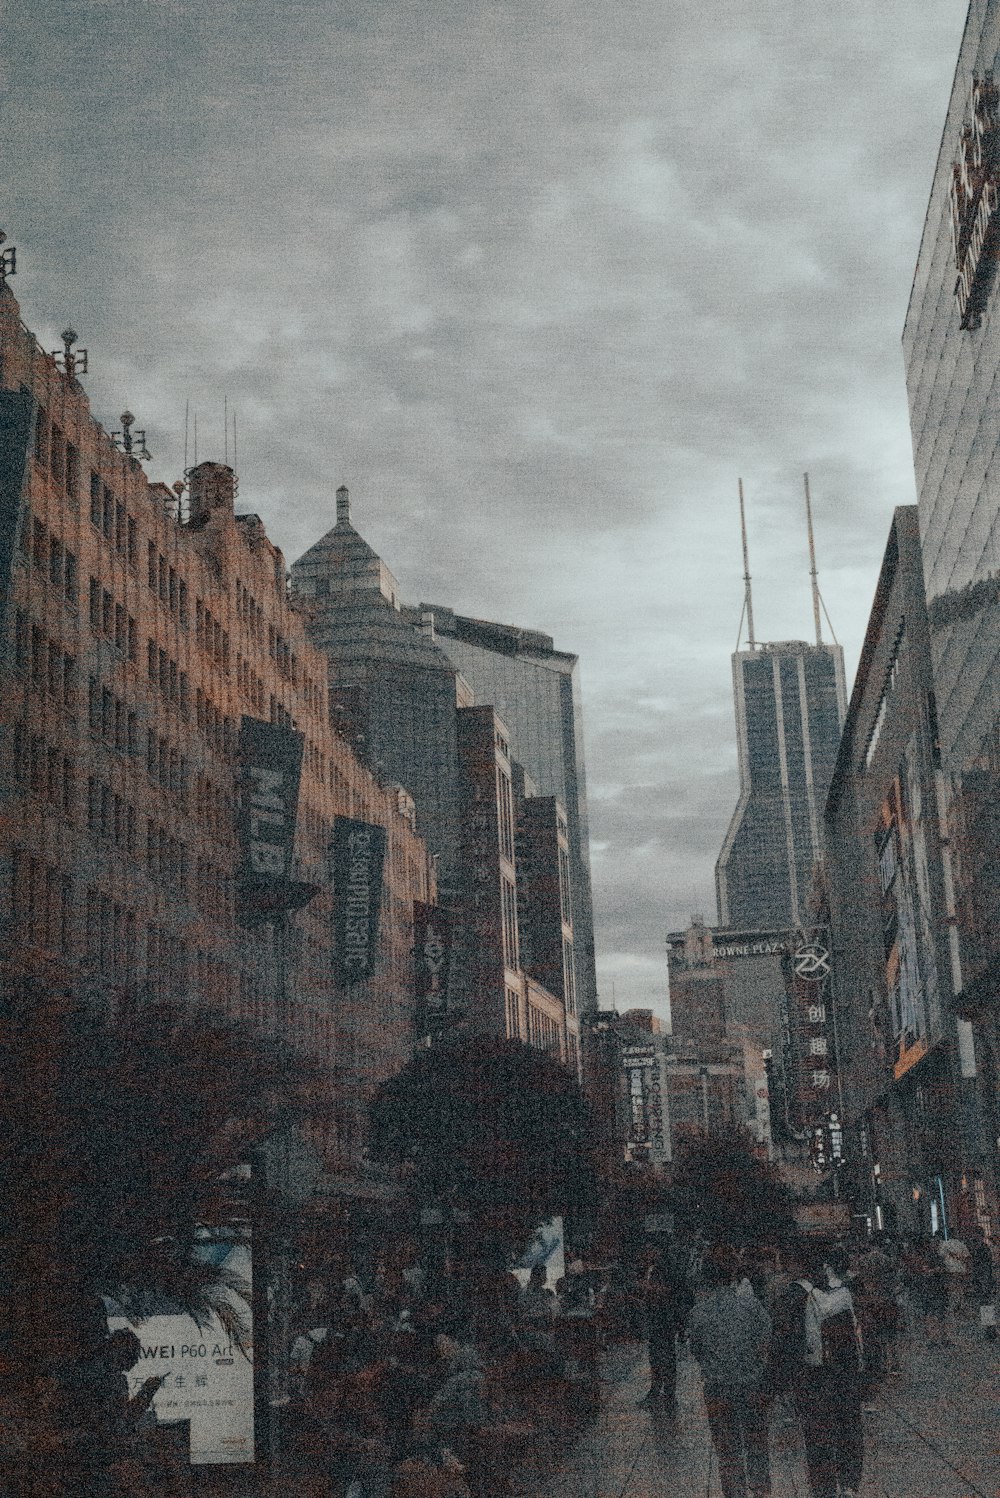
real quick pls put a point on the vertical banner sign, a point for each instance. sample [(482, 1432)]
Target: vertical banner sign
[(814, 1077), (432, 955), (358, 856), (271, 765)]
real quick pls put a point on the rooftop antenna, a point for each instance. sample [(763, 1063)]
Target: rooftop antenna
[(812, 565), (235, 465), (187, 405), (196, 439), (225, 425), (747, 596)]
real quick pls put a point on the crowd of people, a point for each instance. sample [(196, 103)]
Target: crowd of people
[(423, 1378), (435, 1383), (813, 1330)]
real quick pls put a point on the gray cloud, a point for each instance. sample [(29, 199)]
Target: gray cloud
[(538, 281)]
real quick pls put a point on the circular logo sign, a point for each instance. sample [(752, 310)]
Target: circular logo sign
[(811, 961)]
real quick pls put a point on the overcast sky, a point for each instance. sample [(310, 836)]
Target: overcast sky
[(539, 281)]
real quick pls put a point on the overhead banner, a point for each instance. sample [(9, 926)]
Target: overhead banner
[(358, 857), (271, 768), (432, 956)]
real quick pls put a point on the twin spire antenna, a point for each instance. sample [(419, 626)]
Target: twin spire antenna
[(747, 596), (817, 599)]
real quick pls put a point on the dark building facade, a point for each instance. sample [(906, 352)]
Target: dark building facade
[(790, 702), (951, 344), (141, 625), (910, 1136)]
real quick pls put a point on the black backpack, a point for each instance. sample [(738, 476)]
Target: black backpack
[(843, 1353)]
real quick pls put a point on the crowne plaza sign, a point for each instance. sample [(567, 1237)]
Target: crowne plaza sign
[(974, 198)]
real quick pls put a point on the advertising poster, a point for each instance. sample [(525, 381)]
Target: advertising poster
[(270, 771), (358, 856), (207, 1376), (432, 958)]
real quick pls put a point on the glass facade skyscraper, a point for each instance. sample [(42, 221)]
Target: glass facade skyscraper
[(790, 704), (535, 689)]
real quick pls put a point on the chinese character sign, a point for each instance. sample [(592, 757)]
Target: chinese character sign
[(358, 856), (810, 1039)]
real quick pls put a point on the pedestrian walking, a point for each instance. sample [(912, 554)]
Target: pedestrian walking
[(954, 1255), (816, 1354), (982, 1274), (729, 1334), (668, 1301), (930, 1284)]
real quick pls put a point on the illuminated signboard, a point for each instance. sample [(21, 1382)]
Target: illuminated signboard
[(974, 199), (810, 1039)]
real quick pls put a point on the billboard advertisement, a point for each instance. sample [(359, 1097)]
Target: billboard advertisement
[(270, 771), (206, 1373), (358, 858)]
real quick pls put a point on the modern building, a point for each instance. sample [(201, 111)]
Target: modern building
[(142, 626), (536, 691), (951, 343), (503, 845), (908, 1146), (790, 702), (727, 982)]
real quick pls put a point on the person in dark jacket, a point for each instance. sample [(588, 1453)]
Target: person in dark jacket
[(668, 1300), (817, 1357), (730, 1332), (982, 1274)]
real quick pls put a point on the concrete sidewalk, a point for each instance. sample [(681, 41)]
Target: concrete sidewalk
[(942, 1414)]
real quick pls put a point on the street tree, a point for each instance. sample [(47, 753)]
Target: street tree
[(490, 1128), (722, 1188)]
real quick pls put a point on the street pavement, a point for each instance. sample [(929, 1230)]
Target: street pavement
[(932, 1434)]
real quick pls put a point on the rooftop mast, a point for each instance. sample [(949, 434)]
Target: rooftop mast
[(812, 564), (747, 599)]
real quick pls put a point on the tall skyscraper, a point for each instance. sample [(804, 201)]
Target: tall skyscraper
[(535, 689), (401, 696), (790, 704)]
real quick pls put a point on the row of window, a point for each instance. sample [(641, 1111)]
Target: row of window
[(213, 890), (164, 581), (44, 768), (167, 766), (43, 660), (166, 856), (111, 518), (110, 815), (251, 685), (210, 635), (165, 674), (49, 556), (55, 454), (543, 1032), (213, 806), (112, 620), (41, 903), (110, 718)]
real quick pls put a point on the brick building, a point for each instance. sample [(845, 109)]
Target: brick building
[(140, 625)]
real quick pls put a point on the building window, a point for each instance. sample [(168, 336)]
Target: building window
[(132, 541), (41, 437), (108, 514), (95, 499), (72, 471)]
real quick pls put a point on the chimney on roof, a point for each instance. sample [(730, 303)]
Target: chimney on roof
[(343, 505)]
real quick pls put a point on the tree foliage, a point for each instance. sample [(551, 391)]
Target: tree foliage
[(724, 1190), (117, 1153), (491, 1127)]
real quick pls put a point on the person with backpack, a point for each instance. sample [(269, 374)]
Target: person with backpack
[(817, 1356)]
